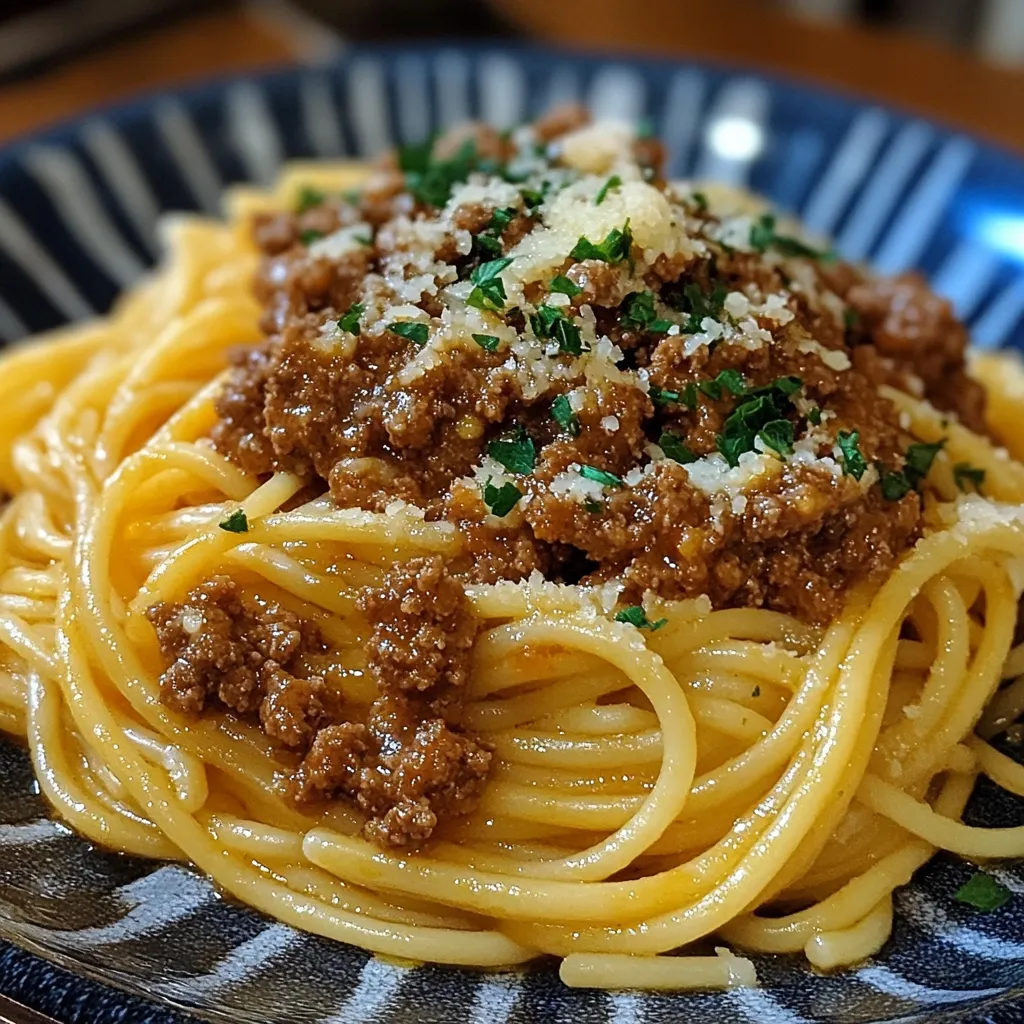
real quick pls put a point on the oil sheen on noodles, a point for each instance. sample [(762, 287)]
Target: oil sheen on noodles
[(760, 760)]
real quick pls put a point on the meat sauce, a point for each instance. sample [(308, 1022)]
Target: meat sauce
[(592, 375)]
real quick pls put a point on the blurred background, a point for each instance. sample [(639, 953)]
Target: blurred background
[(961, 61)]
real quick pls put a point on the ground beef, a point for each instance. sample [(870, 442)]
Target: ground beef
[(423, 629), (917, 335), (409, 764), (240, 431), (233, 650)]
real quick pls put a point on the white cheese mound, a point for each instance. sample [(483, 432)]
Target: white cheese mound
[(340, 243), (713, 475), (597, 148), (480, 191)]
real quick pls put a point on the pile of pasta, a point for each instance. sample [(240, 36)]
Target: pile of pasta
[(736, 776)]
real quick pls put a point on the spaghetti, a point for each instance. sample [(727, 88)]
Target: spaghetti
[(648, 787)]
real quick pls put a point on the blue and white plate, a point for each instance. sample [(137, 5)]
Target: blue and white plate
[(78, 215)]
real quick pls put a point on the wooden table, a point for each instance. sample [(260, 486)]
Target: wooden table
[(896, 69)]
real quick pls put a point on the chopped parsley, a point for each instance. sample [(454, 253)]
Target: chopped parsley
[(672, 445), (895, 486), (595, 508), (532, 197), (549, 322), (501, 218), (350, 321), (603, 478), (701, 305), (983, 892), (778, 435), (489, 292), (613, 182), (309, 198), (614, 249), (850, 318), (636, 616), (412, 331), (918, 461), (699, 200), (488, 242), (853, 461), (756, 691), (565, 286), (919, 458), (764, 237), (814, 416), (727, 380), (309, 236), (516, 451), (640, 313), (501, 500), (759, 415), (431, 181), (563, 415), (968, 477), (237, 522), (661, 396), (487, 341)]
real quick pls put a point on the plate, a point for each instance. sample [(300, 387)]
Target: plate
[(78, 223)]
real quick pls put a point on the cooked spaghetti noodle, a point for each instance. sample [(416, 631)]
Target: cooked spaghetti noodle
[(650, 785)]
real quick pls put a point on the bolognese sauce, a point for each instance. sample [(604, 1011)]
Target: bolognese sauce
[(594, 374)]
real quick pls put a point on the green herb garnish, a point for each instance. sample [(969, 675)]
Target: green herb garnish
[(350, 321), (814, 416), (563, 415), (640, 313), (410, 330), (516, 452), (660, 396), (309, 236), (763, 237), (636, 616), (699, 200), (613, 182), (603, 478), (565, 286), (487, 341), (309, 198), (983, 892), (431, 181), (614, 249), (919, 458), (895, 486), (702, 306), (756, 691), (501, 500), (550, 322), (762, 410), (501, 218), (778, 435), (727, 380), (593, 507), (489, 292), (853, 461), (237, 522), (672, 445), (850, 318), (968, 477)]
